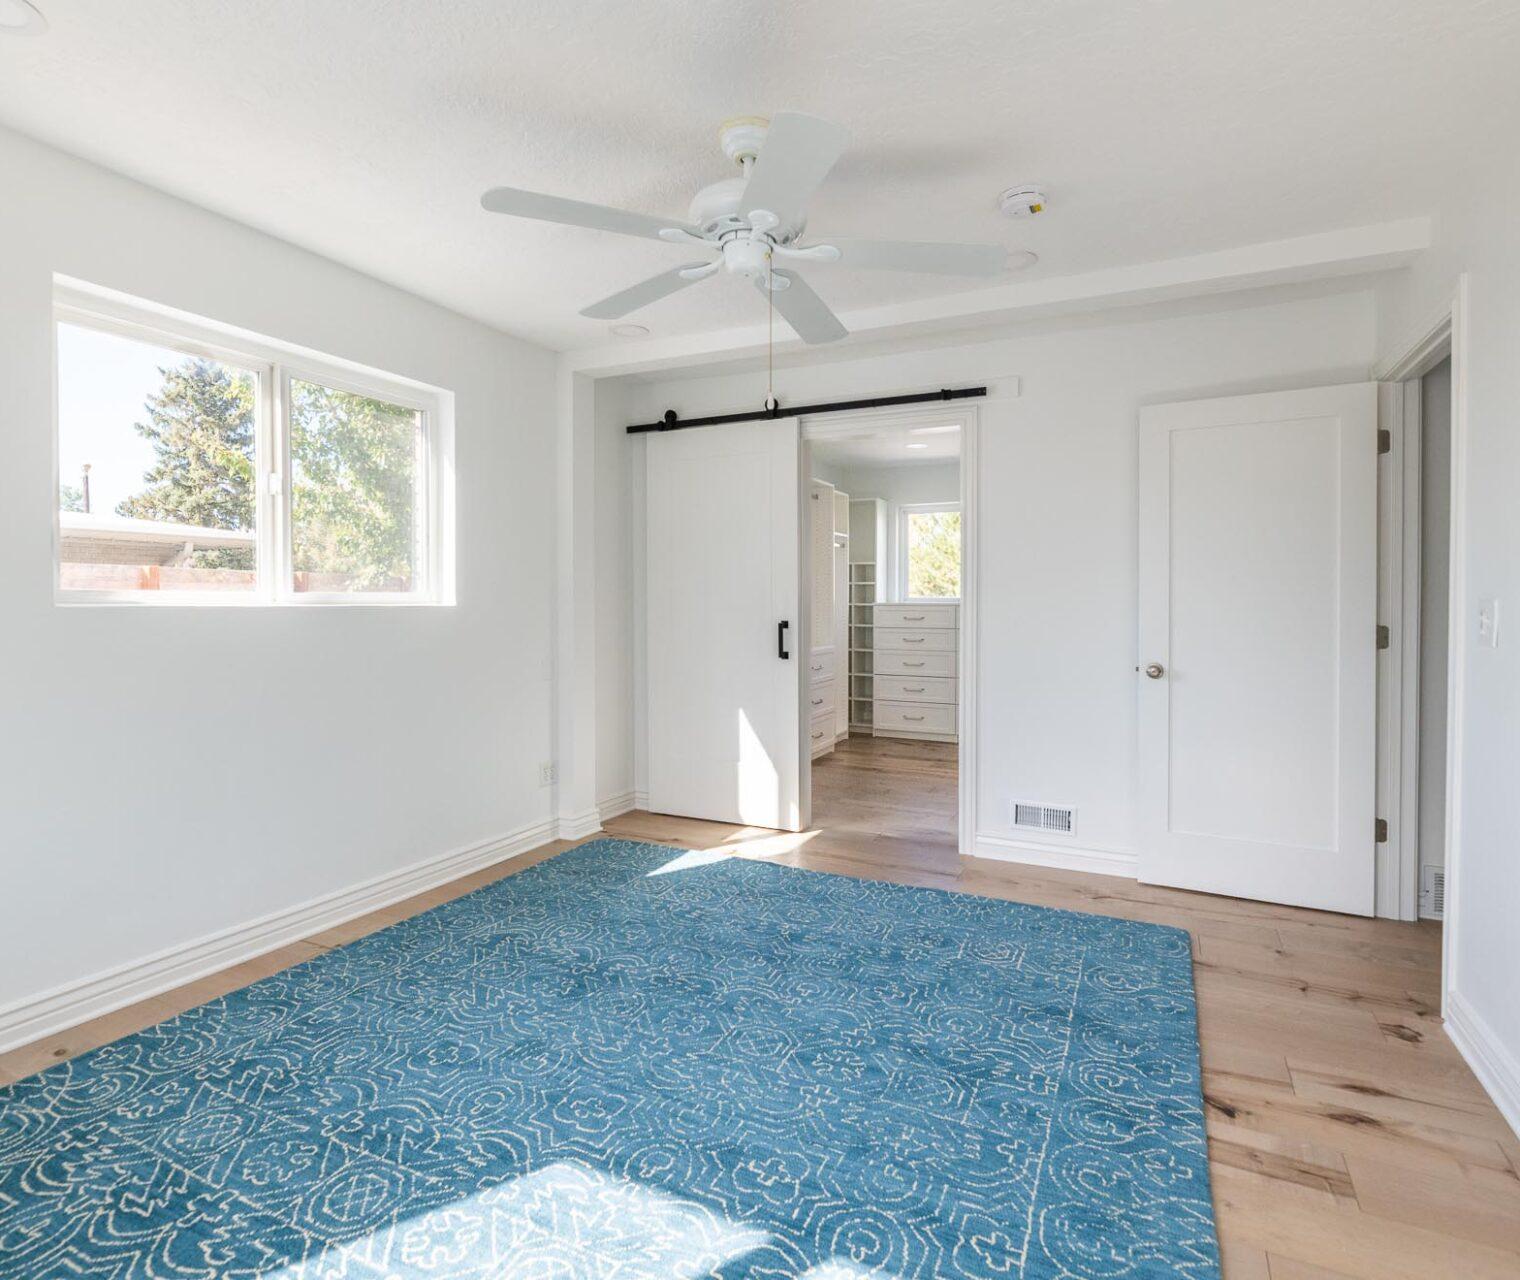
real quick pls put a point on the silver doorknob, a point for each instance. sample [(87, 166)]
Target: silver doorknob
[(1155, 670)]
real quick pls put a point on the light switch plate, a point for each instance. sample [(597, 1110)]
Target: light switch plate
[(1488, 621)]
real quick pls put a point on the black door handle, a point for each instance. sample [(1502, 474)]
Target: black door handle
[(781, 628)]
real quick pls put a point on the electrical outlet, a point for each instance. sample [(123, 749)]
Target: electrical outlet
[(1488, 621), (548, 774)]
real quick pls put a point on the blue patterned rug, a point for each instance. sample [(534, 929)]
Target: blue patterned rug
[(626, 1062)]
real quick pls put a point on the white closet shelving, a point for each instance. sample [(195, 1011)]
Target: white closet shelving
[(863, 587)]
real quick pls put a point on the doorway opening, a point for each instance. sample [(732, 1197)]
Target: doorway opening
[(887, 582), (1415, 582)]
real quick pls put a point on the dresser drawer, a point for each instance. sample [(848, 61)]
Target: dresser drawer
[(895, 638), (914, 688), (913, 717), (898, 662), (921, 617), (820, 698), (821, 732), (820, 667)]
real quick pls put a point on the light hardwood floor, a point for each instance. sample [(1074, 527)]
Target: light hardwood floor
[(1348, 1138)]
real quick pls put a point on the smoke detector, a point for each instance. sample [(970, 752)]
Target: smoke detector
[(1021, 202)]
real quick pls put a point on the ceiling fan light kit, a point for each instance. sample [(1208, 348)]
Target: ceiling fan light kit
[(752, 224)]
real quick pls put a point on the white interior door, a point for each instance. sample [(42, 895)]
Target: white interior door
[(1258, 594), (725, 637)]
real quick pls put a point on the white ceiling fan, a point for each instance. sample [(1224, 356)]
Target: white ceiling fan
[(753, 223)]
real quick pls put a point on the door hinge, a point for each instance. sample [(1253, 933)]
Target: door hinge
[(1382, 636), (1385, 440), (1380, 831)]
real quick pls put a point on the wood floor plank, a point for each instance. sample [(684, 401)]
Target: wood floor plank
[(1310, 1226)]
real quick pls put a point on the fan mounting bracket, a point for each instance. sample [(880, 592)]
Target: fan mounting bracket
[(742, 137)]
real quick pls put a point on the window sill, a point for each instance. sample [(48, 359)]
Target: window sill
[(195, 600)]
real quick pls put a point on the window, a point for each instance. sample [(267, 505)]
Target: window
[(197, 468), (929, 551)]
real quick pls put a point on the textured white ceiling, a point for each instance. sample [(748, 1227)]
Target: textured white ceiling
[(367, 129)]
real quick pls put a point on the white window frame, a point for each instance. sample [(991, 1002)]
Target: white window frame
[(904, 512), (274, 365)]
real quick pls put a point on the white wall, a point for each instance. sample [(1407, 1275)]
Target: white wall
[(1057, 488), (251, 759), (1477, 236), (929, 482), (1435, 544)]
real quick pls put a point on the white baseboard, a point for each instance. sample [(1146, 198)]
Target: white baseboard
[(615, 806), (33, 1017), (1104, 862), (1493, 1064), (577, 826)]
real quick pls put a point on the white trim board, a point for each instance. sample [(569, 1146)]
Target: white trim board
[(1323, 255), (577, 826), (1491, 1062), (1097, 861), (33, 1017), (615, 806)]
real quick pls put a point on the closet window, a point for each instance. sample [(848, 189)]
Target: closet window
[(929, 551)]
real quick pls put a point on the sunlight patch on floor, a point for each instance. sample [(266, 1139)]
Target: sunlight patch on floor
[(751, 842)]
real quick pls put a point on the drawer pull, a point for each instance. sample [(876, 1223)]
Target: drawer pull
[(913, 717), (818, 733), (917, 688), (914, 639), (818, 702), (913, 664), (913, 617), (817, 666)]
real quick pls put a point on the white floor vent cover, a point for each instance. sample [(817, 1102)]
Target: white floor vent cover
[(1433, 892), (1048, 819)]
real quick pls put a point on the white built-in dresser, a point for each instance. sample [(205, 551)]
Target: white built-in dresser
[(913, 652)]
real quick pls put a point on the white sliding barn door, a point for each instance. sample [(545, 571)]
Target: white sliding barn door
[(724, 705), (1257, 681)]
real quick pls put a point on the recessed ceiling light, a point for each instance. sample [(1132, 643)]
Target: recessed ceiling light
[(916, 444), (628, 330), (20, 18)]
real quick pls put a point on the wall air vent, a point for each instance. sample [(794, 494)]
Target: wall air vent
[(1047, 819), (1433, 892)]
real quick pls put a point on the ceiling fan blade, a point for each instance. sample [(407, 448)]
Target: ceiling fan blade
[(804, 310), (577, 213), (643, 293), (796, 156), (922, 255)]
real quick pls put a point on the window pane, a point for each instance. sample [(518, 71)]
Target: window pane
[(155, 467), (934, 554), (354, 505)]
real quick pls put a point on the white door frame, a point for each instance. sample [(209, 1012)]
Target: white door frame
[(967, 417), (1398, 775)]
